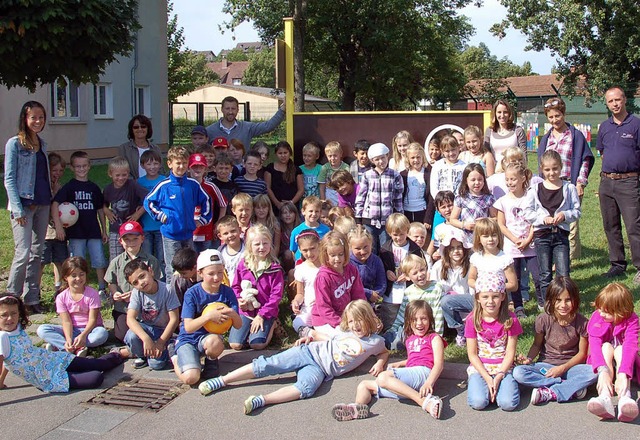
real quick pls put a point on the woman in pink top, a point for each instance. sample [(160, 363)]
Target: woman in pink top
[(79, 308)]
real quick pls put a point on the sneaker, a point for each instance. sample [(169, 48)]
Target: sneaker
[(520, 313), (211, 369), (248, 405), (82, 352), (614, 271), (636, 278), (542, 395), (602, 407), (48, 347), (343, 412), (627, 409), (461, 341), (579, 395), (140, 363)]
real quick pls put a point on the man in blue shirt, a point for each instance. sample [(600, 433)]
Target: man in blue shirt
[(619, 193)]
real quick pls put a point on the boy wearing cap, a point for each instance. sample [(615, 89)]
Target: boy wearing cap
[(203, 235), (173, 202), (379, 195), (152, 316), (199, 137), (193, 340), (131, 239)]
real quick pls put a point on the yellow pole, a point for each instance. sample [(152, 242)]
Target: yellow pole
[(289, 93)]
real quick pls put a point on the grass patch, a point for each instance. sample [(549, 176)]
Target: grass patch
[(586, 271)]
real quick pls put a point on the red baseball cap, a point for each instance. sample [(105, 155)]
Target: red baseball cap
[(220, 142), (130, 228), (197, 159)]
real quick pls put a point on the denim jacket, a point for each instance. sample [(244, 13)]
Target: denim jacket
[(535, 213), (20, 173)]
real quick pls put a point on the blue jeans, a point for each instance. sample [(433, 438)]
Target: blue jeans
[(200, 246), (78, 248), (453, 307), (240, 335), (28, 240), (170, 247), (136, 346), (152, 245), (578, 377), (309, 374), (507, 398), (414, 377), (552, 248), (54, 335), (379, 236), (525, 265)]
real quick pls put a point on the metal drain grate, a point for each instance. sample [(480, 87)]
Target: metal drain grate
[(140, 394)]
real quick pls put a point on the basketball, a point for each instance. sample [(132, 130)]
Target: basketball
[(68, 214), (214, 327)]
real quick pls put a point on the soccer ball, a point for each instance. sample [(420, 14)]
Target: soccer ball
[(214, 327), (68, 214)]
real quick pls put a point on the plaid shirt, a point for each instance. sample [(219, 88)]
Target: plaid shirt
[(564, 147), (379, 196)]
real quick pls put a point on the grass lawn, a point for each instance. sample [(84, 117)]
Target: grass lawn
[(586, 271)]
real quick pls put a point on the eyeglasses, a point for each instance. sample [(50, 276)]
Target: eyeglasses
[(552, 103)]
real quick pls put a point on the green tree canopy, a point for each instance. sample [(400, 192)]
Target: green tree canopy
[(261, 71), (42, 41), (386, 54), (598, 41), (187, 70)]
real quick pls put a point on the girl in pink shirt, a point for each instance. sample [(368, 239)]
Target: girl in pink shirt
[(337, 283), (79, 308), (413, 378), (613, 341)]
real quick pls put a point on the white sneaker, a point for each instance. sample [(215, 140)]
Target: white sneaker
[(48, 347), (602, 407), (579, 395)]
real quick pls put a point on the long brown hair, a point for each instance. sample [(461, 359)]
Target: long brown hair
[(495, 125), (23, 129), (290, 172)]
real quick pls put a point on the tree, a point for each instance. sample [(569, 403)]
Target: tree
[(187, 70), (41, 42), (386, 54), (234, 55), (596, 41), (261, 71)]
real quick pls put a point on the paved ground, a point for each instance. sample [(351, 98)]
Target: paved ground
[(27, 413)]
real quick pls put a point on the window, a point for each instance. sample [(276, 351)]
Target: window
[(102, 100), (143, 101), (64, 99), (236, 81)]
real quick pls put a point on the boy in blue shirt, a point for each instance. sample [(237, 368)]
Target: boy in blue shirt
[(173, 202), (311, 210), (193, 340), (152, 244)]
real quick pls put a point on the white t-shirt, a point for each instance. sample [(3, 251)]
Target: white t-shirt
[(306, 274), (397, 291), (344, 352), (416, 188), (513, 209), (231, 261), (455, 282)]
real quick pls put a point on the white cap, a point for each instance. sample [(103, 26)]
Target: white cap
[(209, 257), (378, 149)]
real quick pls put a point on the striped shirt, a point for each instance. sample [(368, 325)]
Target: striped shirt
[(251, 187), (431, 294)]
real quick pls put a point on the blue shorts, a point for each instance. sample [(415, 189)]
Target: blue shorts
[(55, 251), (411, 376), (309, 374), (240, 335), (78, 248), (189, 355)]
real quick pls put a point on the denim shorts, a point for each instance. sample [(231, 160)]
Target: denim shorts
[(189, 355), (55, 251), (309, 374), (240, 335), (78, 248), (411, 376)]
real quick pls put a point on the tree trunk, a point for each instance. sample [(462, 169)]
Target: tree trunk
[(299, 30)]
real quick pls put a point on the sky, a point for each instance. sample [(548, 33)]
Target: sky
[(200, 20)]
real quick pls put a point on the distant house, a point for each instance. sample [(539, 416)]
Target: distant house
[(94, 117), (207, 54), (230, 72), (255, 46)]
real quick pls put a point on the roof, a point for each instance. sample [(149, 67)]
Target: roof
[(255, 45), (234, 69), (526, 86)]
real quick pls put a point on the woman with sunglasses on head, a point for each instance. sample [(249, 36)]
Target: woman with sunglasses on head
[(577, 158), (139, 132)]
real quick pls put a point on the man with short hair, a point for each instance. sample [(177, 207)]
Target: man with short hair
[(230, 128), (619, 192)]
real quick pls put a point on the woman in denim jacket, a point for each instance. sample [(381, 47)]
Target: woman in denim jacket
[(28, 187)]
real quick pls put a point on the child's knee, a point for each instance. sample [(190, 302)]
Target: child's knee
[(191, 376), (383, 378), (477, 401), (236, 346)]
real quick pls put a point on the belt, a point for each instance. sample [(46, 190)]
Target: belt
[(618, 176)]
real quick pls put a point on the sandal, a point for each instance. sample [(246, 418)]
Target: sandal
[(436, 405)]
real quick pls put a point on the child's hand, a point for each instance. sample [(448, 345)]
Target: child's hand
[(243, 304), (105, 237), (257, 324), (402, 278), (522, 359), (376, 369), (295, 307), (80, 341), (391, 275), (60, 235), (436, 256), (108, 213), (426, 388), (557, 371), (375, 297), (219, 315), (149, 347), (68, 346), (559, 218), (306, 340), (469, 226), (548, 220)]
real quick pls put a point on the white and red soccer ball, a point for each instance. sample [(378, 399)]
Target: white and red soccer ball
[(68, 214)]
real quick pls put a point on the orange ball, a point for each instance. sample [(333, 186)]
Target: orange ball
[(214, 327)]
